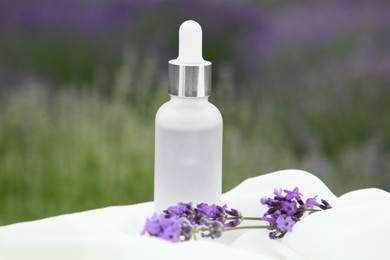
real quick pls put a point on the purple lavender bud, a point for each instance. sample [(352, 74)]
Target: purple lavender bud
[(220, 213), (289, 208), (285, 223), (324, 205), (233, 212), (271, 221), (311, 202), (272, 235), (276, 234), (152, 225), (270, 202), (165, 227), (236, 214), (170, 228), (186, 230), (276, 214), (214, 229), (180, 209), (271, 211), (279, 193), (294, 194), (184, 210), (204, 209), (299, 214), (213, 212), (233, 223)]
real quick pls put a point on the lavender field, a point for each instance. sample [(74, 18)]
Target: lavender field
[(301, 85)]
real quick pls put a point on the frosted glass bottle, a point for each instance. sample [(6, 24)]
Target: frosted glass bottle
[(188, 130), (188, 152)]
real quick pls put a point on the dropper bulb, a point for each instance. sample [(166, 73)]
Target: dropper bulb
[(190, 43)]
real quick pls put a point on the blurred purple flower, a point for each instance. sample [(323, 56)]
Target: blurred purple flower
[(109, 26), (240, 34), (168, 228)]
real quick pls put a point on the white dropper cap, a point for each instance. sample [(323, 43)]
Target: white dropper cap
[(190, 74), (190, 43)]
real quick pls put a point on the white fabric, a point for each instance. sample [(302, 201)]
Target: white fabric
[(356, 228)]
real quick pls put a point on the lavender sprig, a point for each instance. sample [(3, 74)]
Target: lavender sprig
[(196, 215), (185, 221), (284, 210)]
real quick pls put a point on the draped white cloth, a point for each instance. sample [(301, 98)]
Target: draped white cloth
[(356, 228)]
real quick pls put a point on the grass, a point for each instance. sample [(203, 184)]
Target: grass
[(69, 149)]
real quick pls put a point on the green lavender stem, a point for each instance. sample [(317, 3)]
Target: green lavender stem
[(314, 210), (245, 218), (251, 218), (248, 227)]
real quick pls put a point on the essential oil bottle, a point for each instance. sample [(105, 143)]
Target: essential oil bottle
[(188, 130)]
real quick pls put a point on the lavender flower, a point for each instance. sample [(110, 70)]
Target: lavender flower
[(171, 228), (284, 210)]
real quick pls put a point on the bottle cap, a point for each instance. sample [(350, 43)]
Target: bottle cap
[(189, 74)]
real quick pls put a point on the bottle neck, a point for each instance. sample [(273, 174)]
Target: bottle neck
[(189, 99)]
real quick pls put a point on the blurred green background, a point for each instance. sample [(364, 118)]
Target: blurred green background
[(300, 85)]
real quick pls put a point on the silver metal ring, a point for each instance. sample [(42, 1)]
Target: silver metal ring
[(189, 80)]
